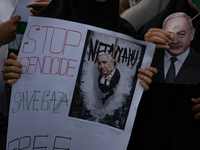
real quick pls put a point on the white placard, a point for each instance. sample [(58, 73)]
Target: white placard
[(57, 102), (22, 10)]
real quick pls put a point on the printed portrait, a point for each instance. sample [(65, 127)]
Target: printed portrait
[(106, 80), (179, 64)]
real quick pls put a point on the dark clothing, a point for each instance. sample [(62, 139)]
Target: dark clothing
[(104, 15), (189, 72), (113, 82), (172, 7), (165, 120)]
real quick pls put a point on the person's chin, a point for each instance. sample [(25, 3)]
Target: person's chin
[(104, 73), (175, 48), (175, 51)]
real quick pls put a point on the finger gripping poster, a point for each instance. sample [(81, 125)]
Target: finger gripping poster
[(78, 88)]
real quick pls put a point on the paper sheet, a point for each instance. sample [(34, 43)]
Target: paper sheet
[(7, 7), (57, 103)]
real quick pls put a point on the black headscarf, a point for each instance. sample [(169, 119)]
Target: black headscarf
[(165, 120), (100, 14), (172, 7)]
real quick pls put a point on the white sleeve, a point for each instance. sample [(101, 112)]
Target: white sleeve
[(145, 10)]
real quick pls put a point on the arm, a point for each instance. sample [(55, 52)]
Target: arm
[(196, 108), (146, 75), (8, 30), (159, 37), (11, 70), (37, 6)]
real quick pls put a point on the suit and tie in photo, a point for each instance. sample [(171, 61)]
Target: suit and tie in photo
[(109, 75), (179, 64), (189, 72)]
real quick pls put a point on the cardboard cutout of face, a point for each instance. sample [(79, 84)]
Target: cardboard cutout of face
[(179, 28)]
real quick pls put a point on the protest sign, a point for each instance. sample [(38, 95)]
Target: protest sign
[(172, 63), (59, 103)]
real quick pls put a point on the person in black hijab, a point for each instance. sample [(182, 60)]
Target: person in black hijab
[(92, 12), (167, 119), (151, 32)]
